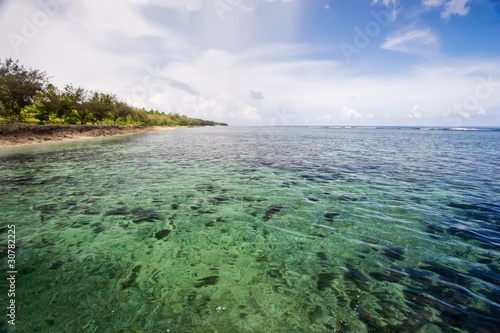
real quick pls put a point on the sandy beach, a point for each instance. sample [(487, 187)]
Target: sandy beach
[(14, 135)]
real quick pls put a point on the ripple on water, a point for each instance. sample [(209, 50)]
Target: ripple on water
[(282, 229)]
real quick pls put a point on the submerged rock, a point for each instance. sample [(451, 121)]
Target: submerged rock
[(250, 198), (347, 198), (162, 234), (355, 276), (274, 273), (26, 270), (389, 276), (221, 197), (57, 264), (329, 216), (91, 211), (271, 210), (205, 187), (394, 253), (196, 206), (130, 282), (46, 208), (118, 211), (144, 215), (208, 281), (322, 256), (325, 280), (315, 314)]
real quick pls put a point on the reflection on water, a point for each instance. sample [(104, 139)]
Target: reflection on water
[(257, 230)]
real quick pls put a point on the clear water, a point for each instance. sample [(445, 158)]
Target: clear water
[(257, 230)]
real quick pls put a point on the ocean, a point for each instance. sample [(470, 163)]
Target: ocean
[(256, 229)]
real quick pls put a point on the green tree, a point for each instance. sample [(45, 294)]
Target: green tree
[(78, 103), (52, 102), (47, 102), (121, 111), (18, 87), (101, 105)]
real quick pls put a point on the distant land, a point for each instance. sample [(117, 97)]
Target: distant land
[(27, 96)]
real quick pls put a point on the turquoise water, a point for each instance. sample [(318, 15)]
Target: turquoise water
[(257, 230)]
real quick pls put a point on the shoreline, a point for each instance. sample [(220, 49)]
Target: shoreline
[(26, 135)]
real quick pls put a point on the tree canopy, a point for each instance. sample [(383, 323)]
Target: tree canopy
[(27, 93), (18, 86)]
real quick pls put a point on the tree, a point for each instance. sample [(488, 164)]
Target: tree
[(47, 102), (139, 116), (101, 105), (52, 102), (121, 111), (18, 86), (79, 103)]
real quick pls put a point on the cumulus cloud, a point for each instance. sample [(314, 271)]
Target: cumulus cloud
[(456, 7), (417, 41), (449, 7), (415, 113), (325, 117), (245, 112), (348, 113), (154, 65)]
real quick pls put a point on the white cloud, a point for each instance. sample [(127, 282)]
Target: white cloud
[(417, 41), (155, 65), (245, 112), (433, 3), (387, 3), (458, 7), (187, 5), (415, 113), (348, 113), (325, 117), (451, 7)]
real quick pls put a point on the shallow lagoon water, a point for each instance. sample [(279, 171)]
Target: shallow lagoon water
[(257, 230)]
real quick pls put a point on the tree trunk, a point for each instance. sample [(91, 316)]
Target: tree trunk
[(10, 116)]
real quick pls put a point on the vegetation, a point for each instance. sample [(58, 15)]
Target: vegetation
[(26, 94)]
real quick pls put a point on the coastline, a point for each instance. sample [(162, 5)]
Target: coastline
[(21, 135)]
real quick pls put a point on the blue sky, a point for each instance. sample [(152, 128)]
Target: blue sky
[(281, 62)]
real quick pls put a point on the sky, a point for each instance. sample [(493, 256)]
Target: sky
[(272, 62)]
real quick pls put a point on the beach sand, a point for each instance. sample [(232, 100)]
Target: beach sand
[(14, 135)]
